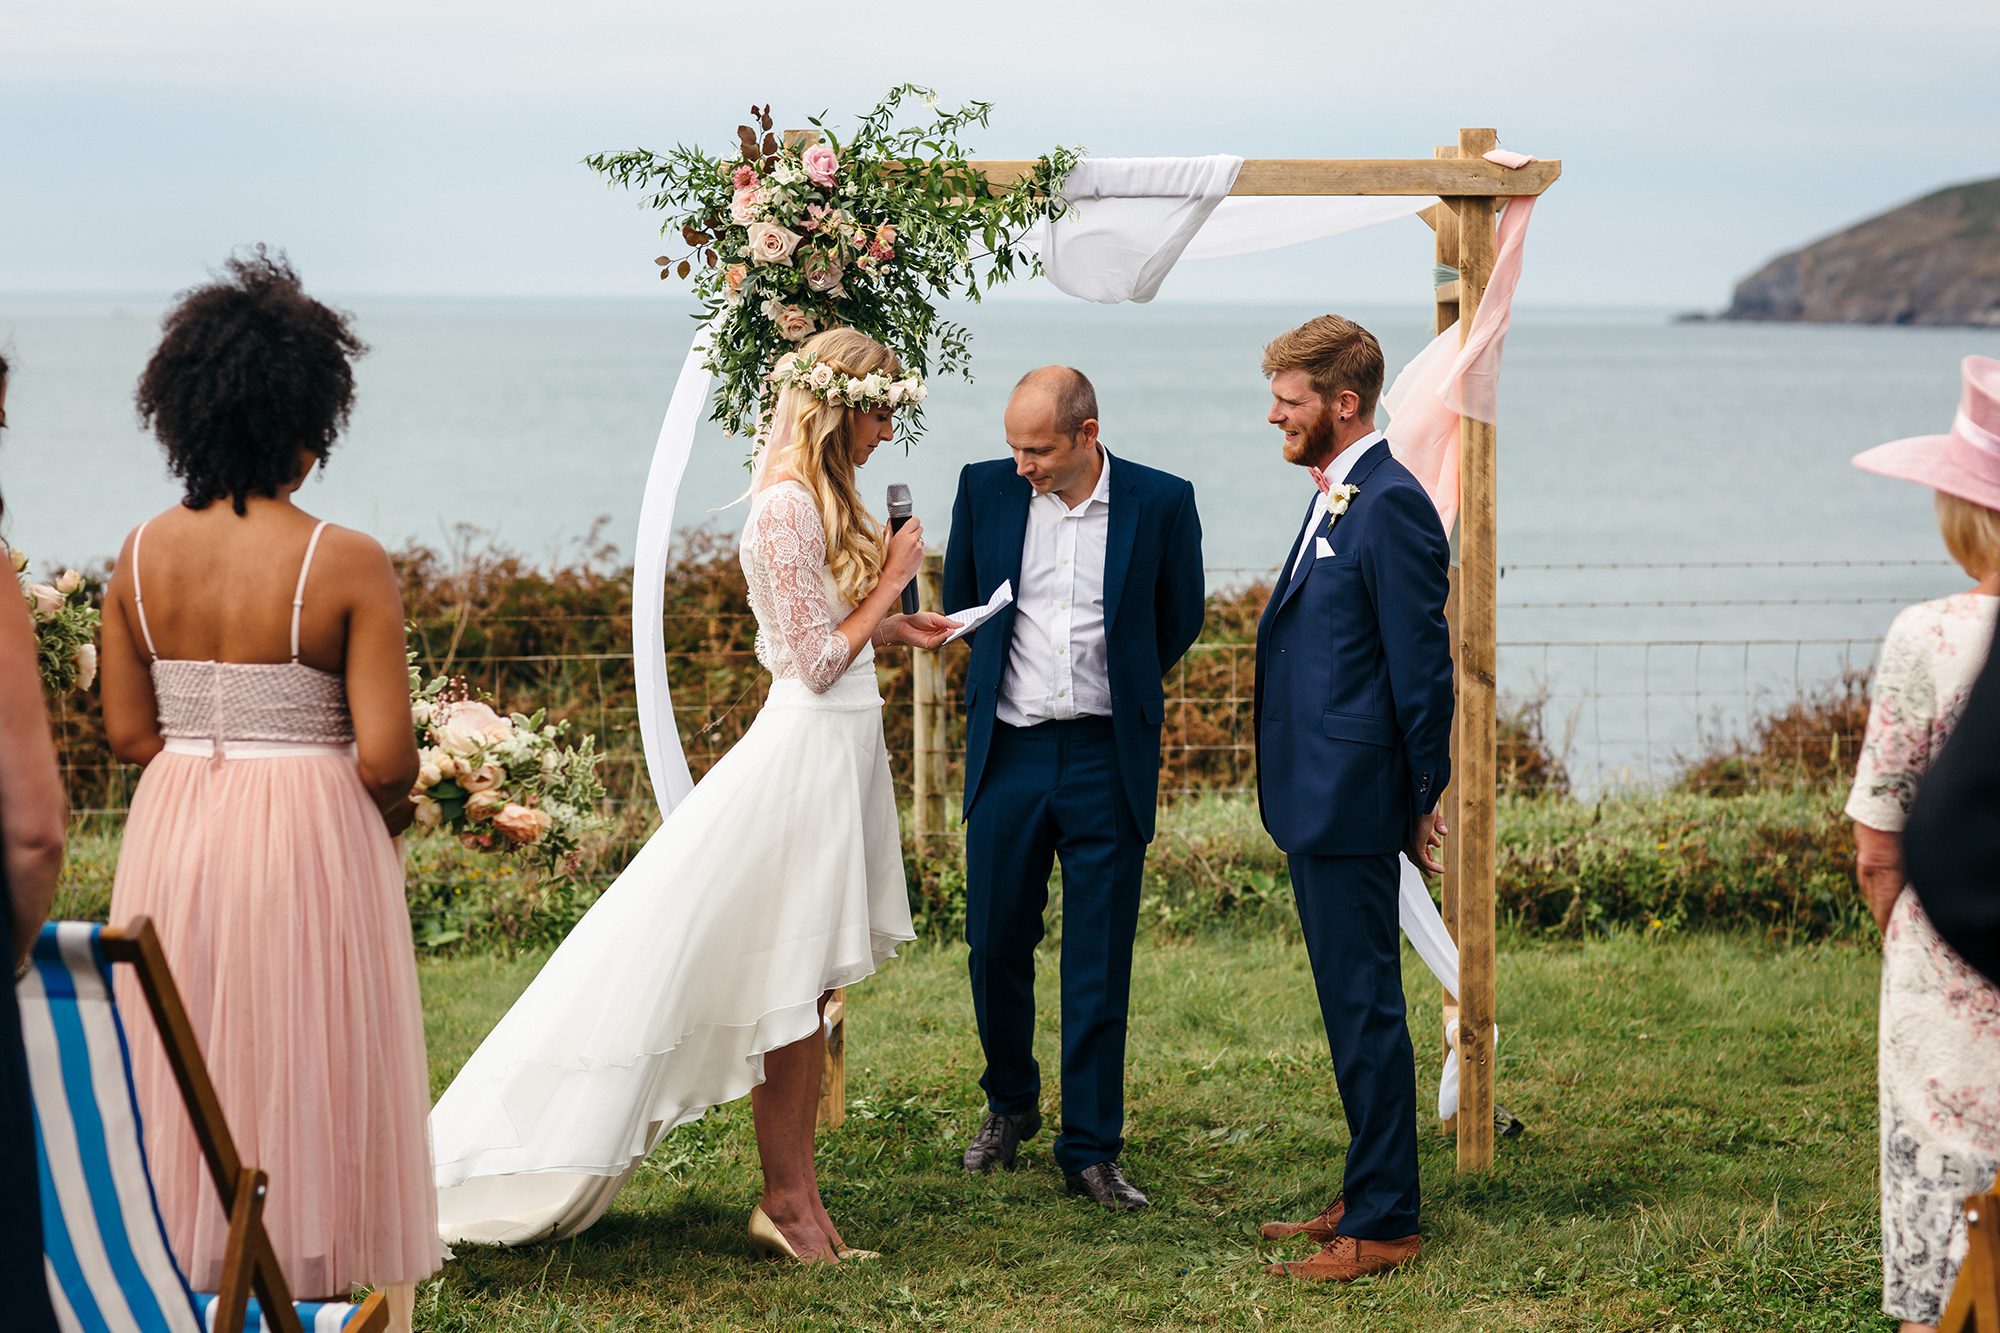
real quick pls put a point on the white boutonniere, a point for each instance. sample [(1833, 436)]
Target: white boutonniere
[(1337, 500)]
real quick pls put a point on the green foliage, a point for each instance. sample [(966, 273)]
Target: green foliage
[(871, 246)]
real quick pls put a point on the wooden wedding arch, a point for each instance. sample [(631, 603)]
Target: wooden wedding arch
[(1469, 189)]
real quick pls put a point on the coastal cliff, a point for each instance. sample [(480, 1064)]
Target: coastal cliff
[(1933, 261)]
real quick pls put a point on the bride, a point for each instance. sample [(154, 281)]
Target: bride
[(704, 970)]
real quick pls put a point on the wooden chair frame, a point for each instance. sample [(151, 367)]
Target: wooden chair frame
[(1974, 1304), (250, 1263)]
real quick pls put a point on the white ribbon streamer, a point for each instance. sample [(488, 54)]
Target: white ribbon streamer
[(666, 765)]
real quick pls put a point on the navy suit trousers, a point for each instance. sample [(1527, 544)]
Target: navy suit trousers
[(1347, 906), (1053, 791), (26, 1280)]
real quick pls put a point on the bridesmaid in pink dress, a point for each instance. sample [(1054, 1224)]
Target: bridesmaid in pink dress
[(254, 666)]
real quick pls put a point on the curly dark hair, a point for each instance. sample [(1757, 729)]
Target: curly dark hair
[(249, 372)]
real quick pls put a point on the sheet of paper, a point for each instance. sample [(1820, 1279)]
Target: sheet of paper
[(969, 621)]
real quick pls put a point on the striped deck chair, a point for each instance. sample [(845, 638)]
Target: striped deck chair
[(110, 1267)]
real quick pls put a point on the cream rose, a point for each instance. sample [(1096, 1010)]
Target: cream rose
[(19, 559), (821, 377), (429, 813), (428, 776), (484, 806), (466, 729), (447, 764), (772, 244), (86, 665), (484, 778), (745, 206), (518, 822), (420, 712), (794, 324), (69, 582)]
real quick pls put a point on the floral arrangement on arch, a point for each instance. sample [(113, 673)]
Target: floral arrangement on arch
[(786, 237), (66, 623), (502, 783)]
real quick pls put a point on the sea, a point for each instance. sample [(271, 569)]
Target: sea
[(1683, 541)]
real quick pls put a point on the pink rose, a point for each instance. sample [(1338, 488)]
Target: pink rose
[(745, 178), (484, 805), (772, 244), (822, 164), (86, 665), (822, 272), (745, 207), (484, 778), (468, 726), (885, 234), (881, 253), (518, 822), (735, 274), (794, 324), (44, 600)]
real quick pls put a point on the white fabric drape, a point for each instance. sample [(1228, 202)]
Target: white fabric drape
[(666, 765)]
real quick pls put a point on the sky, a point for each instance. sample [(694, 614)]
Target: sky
[(433, 148)]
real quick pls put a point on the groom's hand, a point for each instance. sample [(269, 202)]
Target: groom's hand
[(1426, 842), (925, 629)]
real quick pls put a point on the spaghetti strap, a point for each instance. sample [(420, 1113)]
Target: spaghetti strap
[(139, 596), (299, 596)]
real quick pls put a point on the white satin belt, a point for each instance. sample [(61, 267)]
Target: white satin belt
[(857, 689), (201, 747)]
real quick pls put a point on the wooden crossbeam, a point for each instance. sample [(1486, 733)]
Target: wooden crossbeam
[(1462, 176)]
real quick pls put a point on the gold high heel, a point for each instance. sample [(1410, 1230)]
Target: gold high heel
[(770, 1241)]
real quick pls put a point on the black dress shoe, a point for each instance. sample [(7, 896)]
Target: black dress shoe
[(1105, 1183), (997, 1139)]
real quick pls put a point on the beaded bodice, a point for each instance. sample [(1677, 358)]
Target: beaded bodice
[(251, 701)]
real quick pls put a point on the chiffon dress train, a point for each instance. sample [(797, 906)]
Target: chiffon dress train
[(277, 893), (777, 879)]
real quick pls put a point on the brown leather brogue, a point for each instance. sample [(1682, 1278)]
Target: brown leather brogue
[(1320, 1230), (1345, 1258)]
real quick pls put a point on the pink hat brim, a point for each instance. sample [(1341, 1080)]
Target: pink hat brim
[(1927, 460)]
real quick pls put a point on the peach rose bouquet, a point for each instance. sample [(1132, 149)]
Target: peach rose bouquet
[(868, 230), (66, 617), (501, 782)]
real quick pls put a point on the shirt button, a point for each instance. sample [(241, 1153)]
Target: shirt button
[(1062, 694)]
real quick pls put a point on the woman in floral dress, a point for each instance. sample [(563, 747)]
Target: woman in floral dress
[(1939, 1059)]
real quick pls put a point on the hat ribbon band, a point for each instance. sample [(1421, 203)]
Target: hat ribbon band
[(1976, 435)]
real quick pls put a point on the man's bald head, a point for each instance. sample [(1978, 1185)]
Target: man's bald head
[(1070, 397)]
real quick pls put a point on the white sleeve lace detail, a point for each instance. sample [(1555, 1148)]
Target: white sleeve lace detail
[(792, 543)]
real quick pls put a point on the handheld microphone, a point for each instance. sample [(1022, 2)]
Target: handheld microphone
[(901, 512)]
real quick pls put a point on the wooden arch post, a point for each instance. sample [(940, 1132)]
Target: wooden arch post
[(1469, 188)]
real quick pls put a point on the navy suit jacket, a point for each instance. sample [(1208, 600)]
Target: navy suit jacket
[(1153, 606), (1353, 697)]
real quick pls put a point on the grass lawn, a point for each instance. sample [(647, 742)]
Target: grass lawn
[(1700, 1155)]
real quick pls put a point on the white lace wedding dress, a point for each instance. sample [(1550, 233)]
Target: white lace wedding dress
[(777, 879)]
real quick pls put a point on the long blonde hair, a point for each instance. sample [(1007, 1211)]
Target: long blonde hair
[(820, 456)]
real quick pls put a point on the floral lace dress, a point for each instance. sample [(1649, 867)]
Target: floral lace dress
[(1939, 1061)]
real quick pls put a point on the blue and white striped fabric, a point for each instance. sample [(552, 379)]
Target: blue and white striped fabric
[(109, 1265), (314, 1318)]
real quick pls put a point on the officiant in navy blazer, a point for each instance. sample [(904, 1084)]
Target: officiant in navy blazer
[(1353, 706), (1064, 703)]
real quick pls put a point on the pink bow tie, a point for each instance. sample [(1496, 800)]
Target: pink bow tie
[(1319, 480)]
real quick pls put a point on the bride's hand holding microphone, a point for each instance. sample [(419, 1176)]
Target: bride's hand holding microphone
[(900, 566)]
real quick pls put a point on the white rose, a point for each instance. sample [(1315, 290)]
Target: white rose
[(429, 813), (420, 712), (551, 761), (916, 393), (771, 244), (45, 600), (822, 375), (875, 385), (69, 582), (896, 394), (428, 776), (86, 665)]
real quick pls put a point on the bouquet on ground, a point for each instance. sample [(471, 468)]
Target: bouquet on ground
[(787, 237), (65, 627), (501, 782)]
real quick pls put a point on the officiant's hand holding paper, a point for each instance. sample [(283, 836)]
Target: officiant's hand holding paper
[(923, 629), (968, 621)]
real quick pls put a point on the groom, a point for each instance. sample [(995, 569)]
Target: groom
[(1353, 705), (1062, 753)]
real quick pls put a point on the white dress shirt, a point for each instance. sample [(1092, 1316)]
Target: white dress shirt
[(1056, 665), (1336, 475)]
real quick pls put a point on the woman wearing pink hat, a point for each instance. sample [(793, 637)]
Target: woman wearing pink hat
[(1939, 1057)]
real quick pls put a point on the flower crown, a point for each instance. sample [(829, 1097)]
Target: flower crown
[(839, 389)]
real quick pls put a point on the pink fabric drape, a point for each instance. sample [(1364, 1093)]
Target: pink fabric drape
[(1446, 381)]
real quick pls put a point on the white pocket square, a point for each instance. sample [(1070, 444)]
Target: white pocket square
[(1321, 550)]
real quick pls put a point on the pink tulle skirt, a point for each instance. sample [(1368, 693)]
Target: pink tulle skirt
[(278, 895)]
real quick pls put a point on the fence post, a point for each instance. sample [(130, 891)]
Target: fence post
[(927, 795)]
